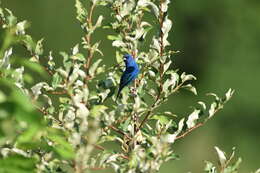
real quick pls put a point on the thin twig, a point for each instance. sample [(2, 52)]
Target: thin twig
[(118, 131), (189, 131)]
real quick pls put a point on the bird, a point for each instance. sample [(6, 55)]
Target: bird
[(130, 73)]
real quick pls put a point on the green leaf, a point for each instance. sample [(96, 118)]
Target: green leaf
[(192, 119), (11, 20), (94, 66), (81, 12), (17, 164), (97, 110), (61, 146), (190, 88), (56, 80), (28, 42), (2, 97), (29, 135), (162, 119), (39, 47), (221, 156), (210, 168)]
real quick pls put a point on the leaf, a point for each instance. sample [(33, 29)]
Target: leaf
[(5, 62), (21, 26), (56, 80), (192, 119), (188, 77), (94, 66), (190, 88), (228, 95), (164, 5), (212, 109), (118, 43), (60, 145), (166, 66), (221, 156), (99, 22), (28, 42), (39, 47), (97, 110), (113, 37), (11, 20), (2, 97), (17, 164), (75, 49), (81, 12), (162, 119), (210, 168)]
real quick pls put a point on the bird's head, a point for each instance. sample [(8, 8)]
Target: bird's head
[(128, 59)]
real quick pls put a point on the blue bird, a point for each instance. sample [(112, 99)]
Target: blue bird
[(130, 73)]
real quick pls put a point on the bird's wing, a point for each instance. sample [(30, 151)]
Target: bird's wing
[(127, 76)]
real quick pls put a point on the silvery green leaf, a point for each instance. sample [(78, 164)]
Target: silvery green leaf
[(118, 43), (75, 49), (171, 137), (56, 80), (156, 44), (113, 37), (29, 43), (94, 66), (257, 171), (167, 24), (187, 77), (11, 20), (166, 66), (210, 168), (203, 105), (212, 109), (127, 7), (192, 119), (221, 156), (229, 94), (39, 47), (145, 3), (62, 72), (20, 27), (82, 111), (5, 62), (190, 88), (98, 110), (169, 83), (164, 5), (95, 48), (104, 94), (81, 11), (49, 101), (99, 21), (18, 77), (151, 74), (162, 119), (215, 96)]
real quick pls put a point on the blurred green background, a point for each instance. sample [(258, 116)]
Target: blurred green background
[(219, 42)]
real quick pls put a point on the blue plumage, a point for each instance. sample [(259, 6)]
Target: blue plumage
[(130, 73)]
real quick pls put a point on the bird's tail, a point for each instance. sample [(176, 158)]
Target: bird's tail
[(118, 93)]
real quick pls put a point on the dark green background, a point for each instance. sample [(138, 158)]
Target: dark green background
[(219, 43)]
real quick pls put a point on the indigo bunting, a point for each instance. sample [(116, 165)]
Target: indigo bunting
[(130, 73)]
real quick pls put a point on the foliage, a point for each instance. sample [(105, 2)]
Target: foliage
[(62, 122)]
